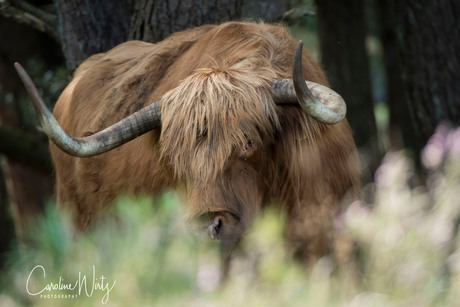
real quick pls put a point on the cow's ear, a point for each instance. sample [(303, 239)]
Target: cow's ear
[(248, 149)]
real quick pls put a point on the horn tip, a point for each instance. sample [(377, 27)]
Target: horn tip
[(17, 65), (298, 50)]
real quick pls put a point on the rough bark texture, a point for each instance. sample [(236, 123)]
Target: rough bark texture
[(343, 52), (89, 27), (428, 40), (154, 20)]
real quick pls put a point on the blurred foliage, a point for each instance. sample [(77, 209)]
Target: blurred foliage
[(50, 84), (305, 28), (407, 238)]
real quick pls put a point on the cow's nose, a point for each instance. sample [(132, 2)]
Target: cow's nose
[(215, 228)]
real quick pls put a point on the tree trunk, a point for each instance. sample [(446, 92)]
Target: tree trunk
[(401, 130), (344, 57), (154, 20), (428, 41), (89, 27)]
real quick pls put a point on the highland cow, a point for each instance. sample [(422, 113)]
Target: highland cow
[(222, 114)]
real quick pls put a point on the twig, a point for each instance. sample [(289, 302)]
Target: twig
[(26, 13), (39, 13)]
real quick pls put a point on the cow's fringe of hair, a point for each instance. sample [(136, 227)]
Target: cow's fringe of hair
[(215, 111)]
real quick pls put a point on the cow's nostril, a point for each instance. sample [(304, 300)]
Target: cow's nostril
[(215, 228)]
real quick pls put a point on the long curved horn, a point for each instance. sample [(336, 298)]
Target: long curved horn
[(116, 135), (318, 101)]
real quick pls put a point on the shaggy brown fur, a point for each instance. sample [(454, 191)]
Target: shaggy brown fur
[(223, 141)]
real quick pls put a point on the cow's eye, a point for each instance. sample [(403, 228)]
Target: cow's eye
[(248, 149)]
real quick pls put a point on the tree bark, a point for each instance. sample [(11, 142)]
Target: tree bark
[(154, 20), (89, 27), (401, 130), (343, 52), (428, 41)]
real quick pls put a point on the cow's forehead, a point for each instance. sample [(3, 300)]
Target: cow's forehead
[(213, 113)]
